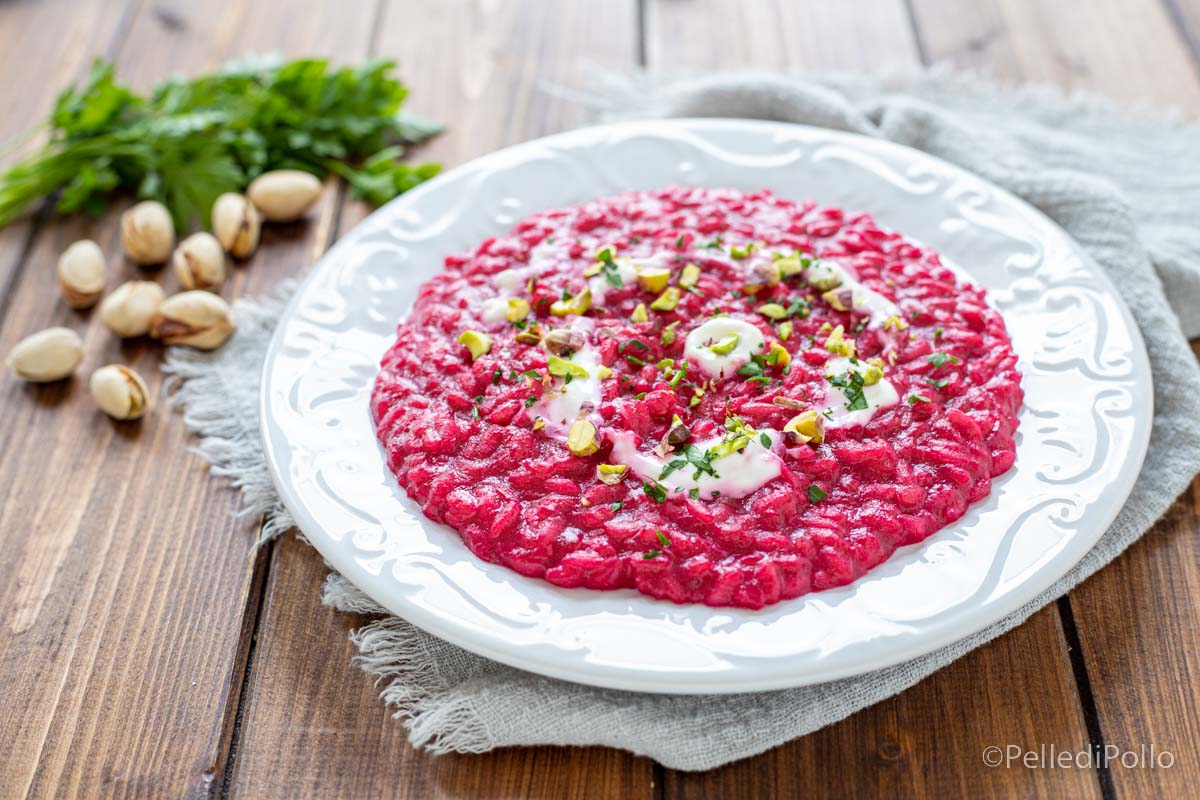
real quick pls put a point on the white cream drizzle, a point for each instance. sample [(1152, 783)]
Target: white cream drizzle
[(560, 405), (697, 345), (878, 396), (739, 473)]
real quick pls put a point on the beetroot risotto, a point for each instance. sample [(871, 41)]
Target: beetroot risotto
[(708, 396)]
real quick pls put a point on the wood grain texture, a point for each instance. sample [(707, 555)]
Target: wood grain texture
[(312, 722), (929, 740), (1135, 618), (126, 579)]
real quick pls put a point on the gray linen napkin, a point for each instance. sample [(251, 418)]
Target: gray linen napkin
[(1127, 186)]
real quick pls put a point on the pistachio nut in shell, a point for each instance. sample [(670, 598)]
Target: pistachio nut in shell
[(147, 233), (48, 355), (195, 319), (82, 271), (199, 262), (120, 392), (130, 308), (237, 224), (283, 195)]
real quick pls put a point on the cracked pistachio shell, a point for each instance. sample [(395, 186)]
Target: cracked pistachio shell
[(199, 262), (284, 195), (195, 319), (48, 355), (120, 392), (82, 272), (147, 233), (128, 310), (237, 224)]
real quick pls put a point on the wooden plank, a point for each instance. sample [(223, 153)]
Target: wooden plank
[(1135, 618), (928, 741), (313, 723), (126, 579)]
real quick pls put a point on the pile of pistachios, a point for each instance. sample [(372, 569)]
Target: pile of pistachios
[(195, 317)]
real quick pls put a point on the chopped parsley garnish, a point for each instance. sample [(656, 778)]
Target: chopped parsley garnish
[(496, 376), (694, 493), (680, 242), (938, 331), (649, 554), (714, 244), (816, 494), (799, 308), (851, 384), (532, 373), (827, 413), (655, 492), (913, 399), (765, 439), (662, 539), (529, 401), (940, 383), (942, 359), (752, 368), (612, 275), (638, 343), (693, 456)]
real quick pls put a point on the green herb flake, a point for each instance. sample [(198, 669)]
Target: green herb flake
[(662, 539), (765, 439), (913, 399), (649, 554), (615, 507), (942, 359), (816, 494), (655, 492)]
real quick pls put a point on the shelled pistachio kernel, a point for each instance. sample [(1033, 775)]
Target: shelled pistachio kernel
[(772, 311), (689, 276), (725, 345), (561, 368), (120, 392), (837, 343), (823, 278), (763, 274), (129, 309), (841, 299), (784, 329), (516, 309), (581, 438), (564, 342), (477, 342), (194, 319), (611, 474), (654, 279), (778, 355), (147, 233), (82, 272), (789, 265), (236, 224), (668, 334), (807, 426), (667, 300), (283, 195), (603, 372), (639, 314), (199, 262), (45, 356), (577, 305)]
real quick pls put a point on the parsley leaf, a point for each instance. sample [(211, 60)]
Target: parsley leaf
[(816, 494), (655, 492), (942, 359)]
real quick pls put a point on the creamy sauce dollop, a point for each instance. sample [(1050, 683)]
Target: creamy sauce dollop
[(697, 346)]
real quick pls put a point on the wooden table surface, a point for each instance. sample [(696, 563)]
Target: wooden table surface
[(144, 652)]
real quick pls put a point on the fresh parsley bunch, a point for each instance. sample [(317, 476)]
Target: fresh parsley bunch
[(193, 139)]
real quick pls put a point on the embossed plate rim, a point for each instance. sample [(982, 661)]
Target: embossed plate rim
[(555, 648)]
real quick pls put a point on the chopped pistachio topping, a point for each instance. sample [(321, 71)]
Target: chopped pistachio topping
[(561, 368), (808, 426), (603, 372), (564, 342), (667, 300), (517, 309), (872, 375), (477, 343), (784, 329), (772, 311), (894, 322), (610, 474), (538, 423), (778, 355), (689, 276), (639, 314), (837, 344), (724, 346), (840, 299), (579, 304), (789, 265), (762, 274), (823, 279), (593, 270), (581, 438), (654, 280), (789, 403), (668, 334), (665, 363)]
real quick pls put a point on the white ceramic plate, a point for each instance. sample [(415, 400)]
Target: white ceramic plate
[(1083, 434)]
